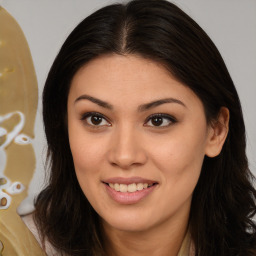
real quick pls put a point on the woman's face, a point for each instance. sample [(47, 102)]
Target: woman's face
[(135, 128)]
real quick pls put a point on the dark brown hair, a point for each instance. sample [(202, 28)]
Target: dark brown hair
[(223, 202)]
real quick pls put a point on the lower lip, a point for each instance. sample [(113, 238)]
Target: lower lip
[(129, 197)]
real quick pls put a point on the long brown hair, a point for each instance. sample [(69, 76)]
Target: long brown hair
[(223, 202)]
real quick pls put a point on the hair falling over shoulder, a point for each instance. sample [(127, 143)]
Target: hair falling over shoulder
[(223, 204)]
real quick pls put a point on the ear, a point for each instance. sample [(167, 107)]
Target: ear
[(218, 131)]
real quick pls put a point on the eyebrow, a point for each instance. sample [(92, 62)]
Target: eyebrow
[(141, 108), (94, 100), (156, 103)]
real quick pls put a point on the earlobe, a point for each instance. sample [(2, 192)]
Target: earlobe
[(218, 132)]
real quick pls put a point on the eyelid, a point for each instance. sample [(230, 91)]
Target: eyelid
[(88, 114), (85, 115), (172, 119), (162, 115)]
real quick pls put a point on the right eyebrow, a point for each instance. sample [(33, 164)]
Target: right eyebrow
[(94, 100), (156, 103)]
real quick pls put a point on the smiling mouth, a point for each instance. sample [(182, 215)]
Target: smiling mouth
[(133, 187)]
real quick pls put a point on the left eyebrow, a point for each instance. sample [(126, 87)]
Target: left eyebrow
[(94, 100), (156, 103)]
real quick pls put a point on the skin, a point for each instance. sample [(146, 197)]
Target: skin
[(126, 144)]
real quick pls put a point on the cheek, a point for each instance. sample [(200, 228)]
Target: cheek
[(180, 167), (84, 148), (84, 156), (87, 156), (178, 153), (179, 158)]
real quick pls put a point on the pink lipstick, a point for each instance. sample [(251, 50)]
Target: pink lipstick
[(129, 190)]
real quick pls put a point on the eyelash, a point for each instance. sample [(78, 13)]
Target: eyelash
[(171, 119), (91, 114)]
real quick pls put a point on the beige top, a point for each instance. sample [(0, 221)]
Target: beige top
[(28, 220), (185, 250)]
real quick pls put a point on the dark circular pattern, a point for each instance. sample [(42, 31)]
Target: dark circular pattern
[(157, 121), (96, 120)]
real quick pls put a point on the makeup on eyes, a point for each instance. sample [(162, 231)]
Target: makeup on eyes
[(156, 120), (97, 119)]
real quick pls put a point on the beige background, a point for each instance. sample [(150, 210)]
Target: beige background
[(230, 23)]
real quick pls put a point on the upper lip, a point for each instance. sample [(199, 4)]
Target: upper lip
[(128, 180)]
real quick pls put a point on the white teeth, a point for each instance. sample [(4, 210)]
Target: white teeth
[(123, 188), (132, 187), (129, 188), (140, 186), (117, 187)]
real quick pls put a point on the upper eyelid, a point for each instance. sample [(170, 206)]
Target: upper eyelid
[(172, 120), (89, 114), (85, 115), (163, 115)]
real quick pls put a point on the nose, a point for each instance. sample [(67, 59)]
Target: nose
[(126, 149)]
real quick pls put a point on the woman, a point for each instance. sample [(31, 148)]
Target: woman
[(146, 140)]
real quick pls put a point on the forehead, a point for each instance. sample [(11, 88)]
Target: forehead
[(128, 78)]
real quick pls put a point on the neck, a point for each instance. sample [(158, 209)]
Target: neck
[(165, 239)]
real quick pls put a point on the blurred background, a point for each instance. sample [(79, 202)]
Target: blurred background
[(231, 24)]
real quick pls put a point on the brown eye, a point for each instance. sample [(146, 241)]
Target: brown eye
[(95, 119), (157, 121), (160, 120)]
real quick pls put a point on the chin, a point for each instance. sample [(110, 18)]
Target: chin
[(129, 222), (129, 226)]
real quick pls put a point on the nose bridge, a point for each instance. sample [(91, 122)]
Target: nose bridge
[(126, 147)]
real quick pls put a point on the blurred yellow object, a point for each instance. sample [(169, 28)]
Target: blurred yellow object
[(18, 106)]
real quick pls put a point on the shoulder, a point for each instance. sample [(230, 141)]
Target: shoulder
[(30, 223)]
